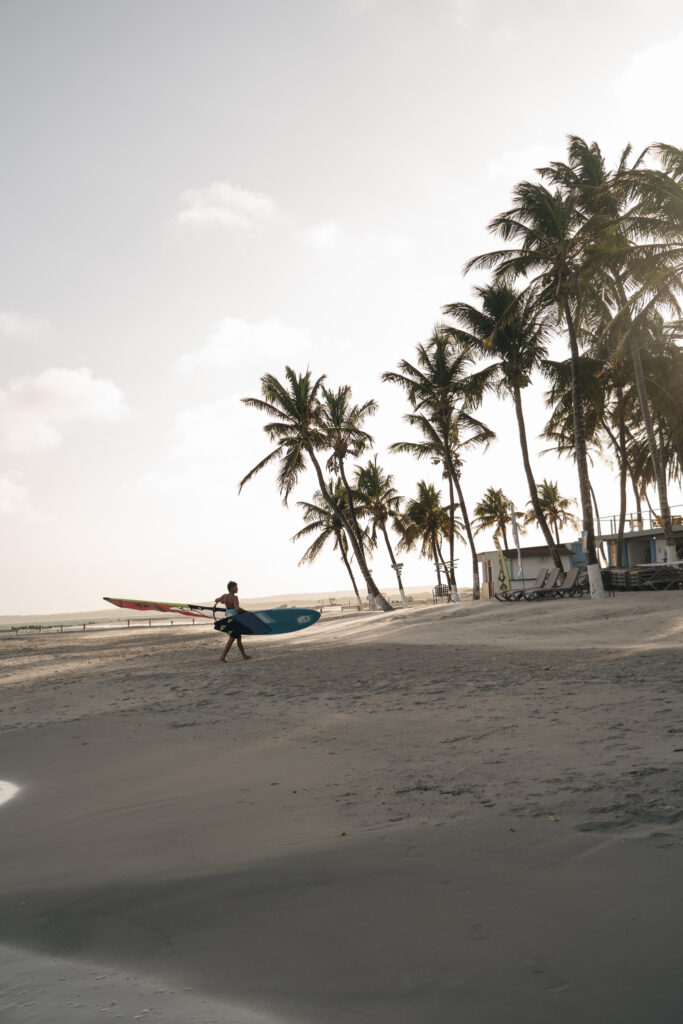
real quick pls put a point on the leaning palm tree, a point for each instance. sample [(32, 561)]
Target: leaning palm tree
[(424, 523), (493, 512), (325, 526), (299, 435), (554, 252), (379, 500), (514, 331), (440, 389), (556, 509)]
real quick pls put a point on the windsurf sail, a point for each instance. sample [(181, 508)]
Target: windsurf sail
[(200, 611)]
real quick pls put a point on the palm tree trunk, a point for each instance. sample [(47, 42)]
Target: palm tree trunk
[(358, 551), (646, 413), (639, 507), (466, 523), (597, 520), (352, 509), (597, 591), (393, 564), (623, 470), (450, 570), (340, 542), (436, 559), (476, 593), (440, 556), (505, 536), (533, 489), (657, 466)]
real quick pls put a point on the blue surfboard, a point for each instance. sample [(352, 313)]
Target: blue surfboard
[(268, 622)]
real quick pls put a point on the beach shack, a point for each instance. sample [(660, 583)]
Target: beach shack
[(533, 559), (643, 542)]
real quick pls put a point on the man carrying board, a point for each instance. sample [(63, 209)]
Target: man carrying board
[(231, 601)]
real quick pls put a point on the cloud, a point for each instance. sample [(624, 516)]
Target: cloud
[(519, 164), (649, 88), (355, 7), (211, 448), (328, 235), (13, 495), (16, 325), (224, 205), (331, 236), (248, 350), (460, 12), (32, 409), (204, 429)]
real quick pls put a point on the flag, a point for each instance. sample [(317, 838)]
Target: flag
[(515, 536), (503, 571)]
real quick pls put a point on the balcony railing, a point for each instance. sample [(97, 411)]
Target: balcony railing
[(635, 523)]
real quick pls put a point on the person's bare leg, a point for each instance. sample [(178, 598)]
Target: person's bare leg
[(242, 651), (227, 648)]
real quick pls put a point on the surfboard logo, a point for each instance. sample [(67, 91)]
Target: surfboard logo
[(303, 618)]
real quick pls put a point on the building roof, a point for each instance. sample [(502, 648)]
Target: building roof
[(531, 552)]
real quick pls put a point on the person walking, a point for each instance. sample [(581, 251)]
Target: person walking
[(229, 625)]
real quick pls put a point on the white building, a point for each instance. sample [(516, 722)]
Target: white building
[(533, 560)]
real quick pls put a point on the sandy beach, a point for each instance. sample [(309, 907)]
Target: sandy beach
[(469, 813)]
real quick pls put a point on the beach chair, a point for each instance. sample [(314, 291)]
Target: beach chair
[(569, 586), (515, 595), (545, 590)]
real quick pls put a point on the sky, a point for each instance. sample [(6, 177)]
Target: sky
[(193, 194)]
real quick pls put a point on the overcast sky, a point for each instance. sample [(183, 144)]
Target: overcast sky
[(195, 193)]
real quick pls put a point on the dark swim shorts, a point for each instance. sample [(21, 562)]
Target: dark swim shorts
[(230, 626)]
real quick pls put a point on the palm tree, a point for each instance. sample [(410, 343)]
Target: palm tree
[(423, 523), (512, 329), (325, 524), (380, 501), (608, 403), (441, 392), (493, 511), (663, 370), (466, 434), (555, 253), (555, 508), (636, 216), (342, 422), (299, 434)]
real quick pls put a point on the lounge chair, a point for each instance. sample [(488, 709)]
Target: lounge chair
[(545, 590), (569, 586), (515, 595)]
